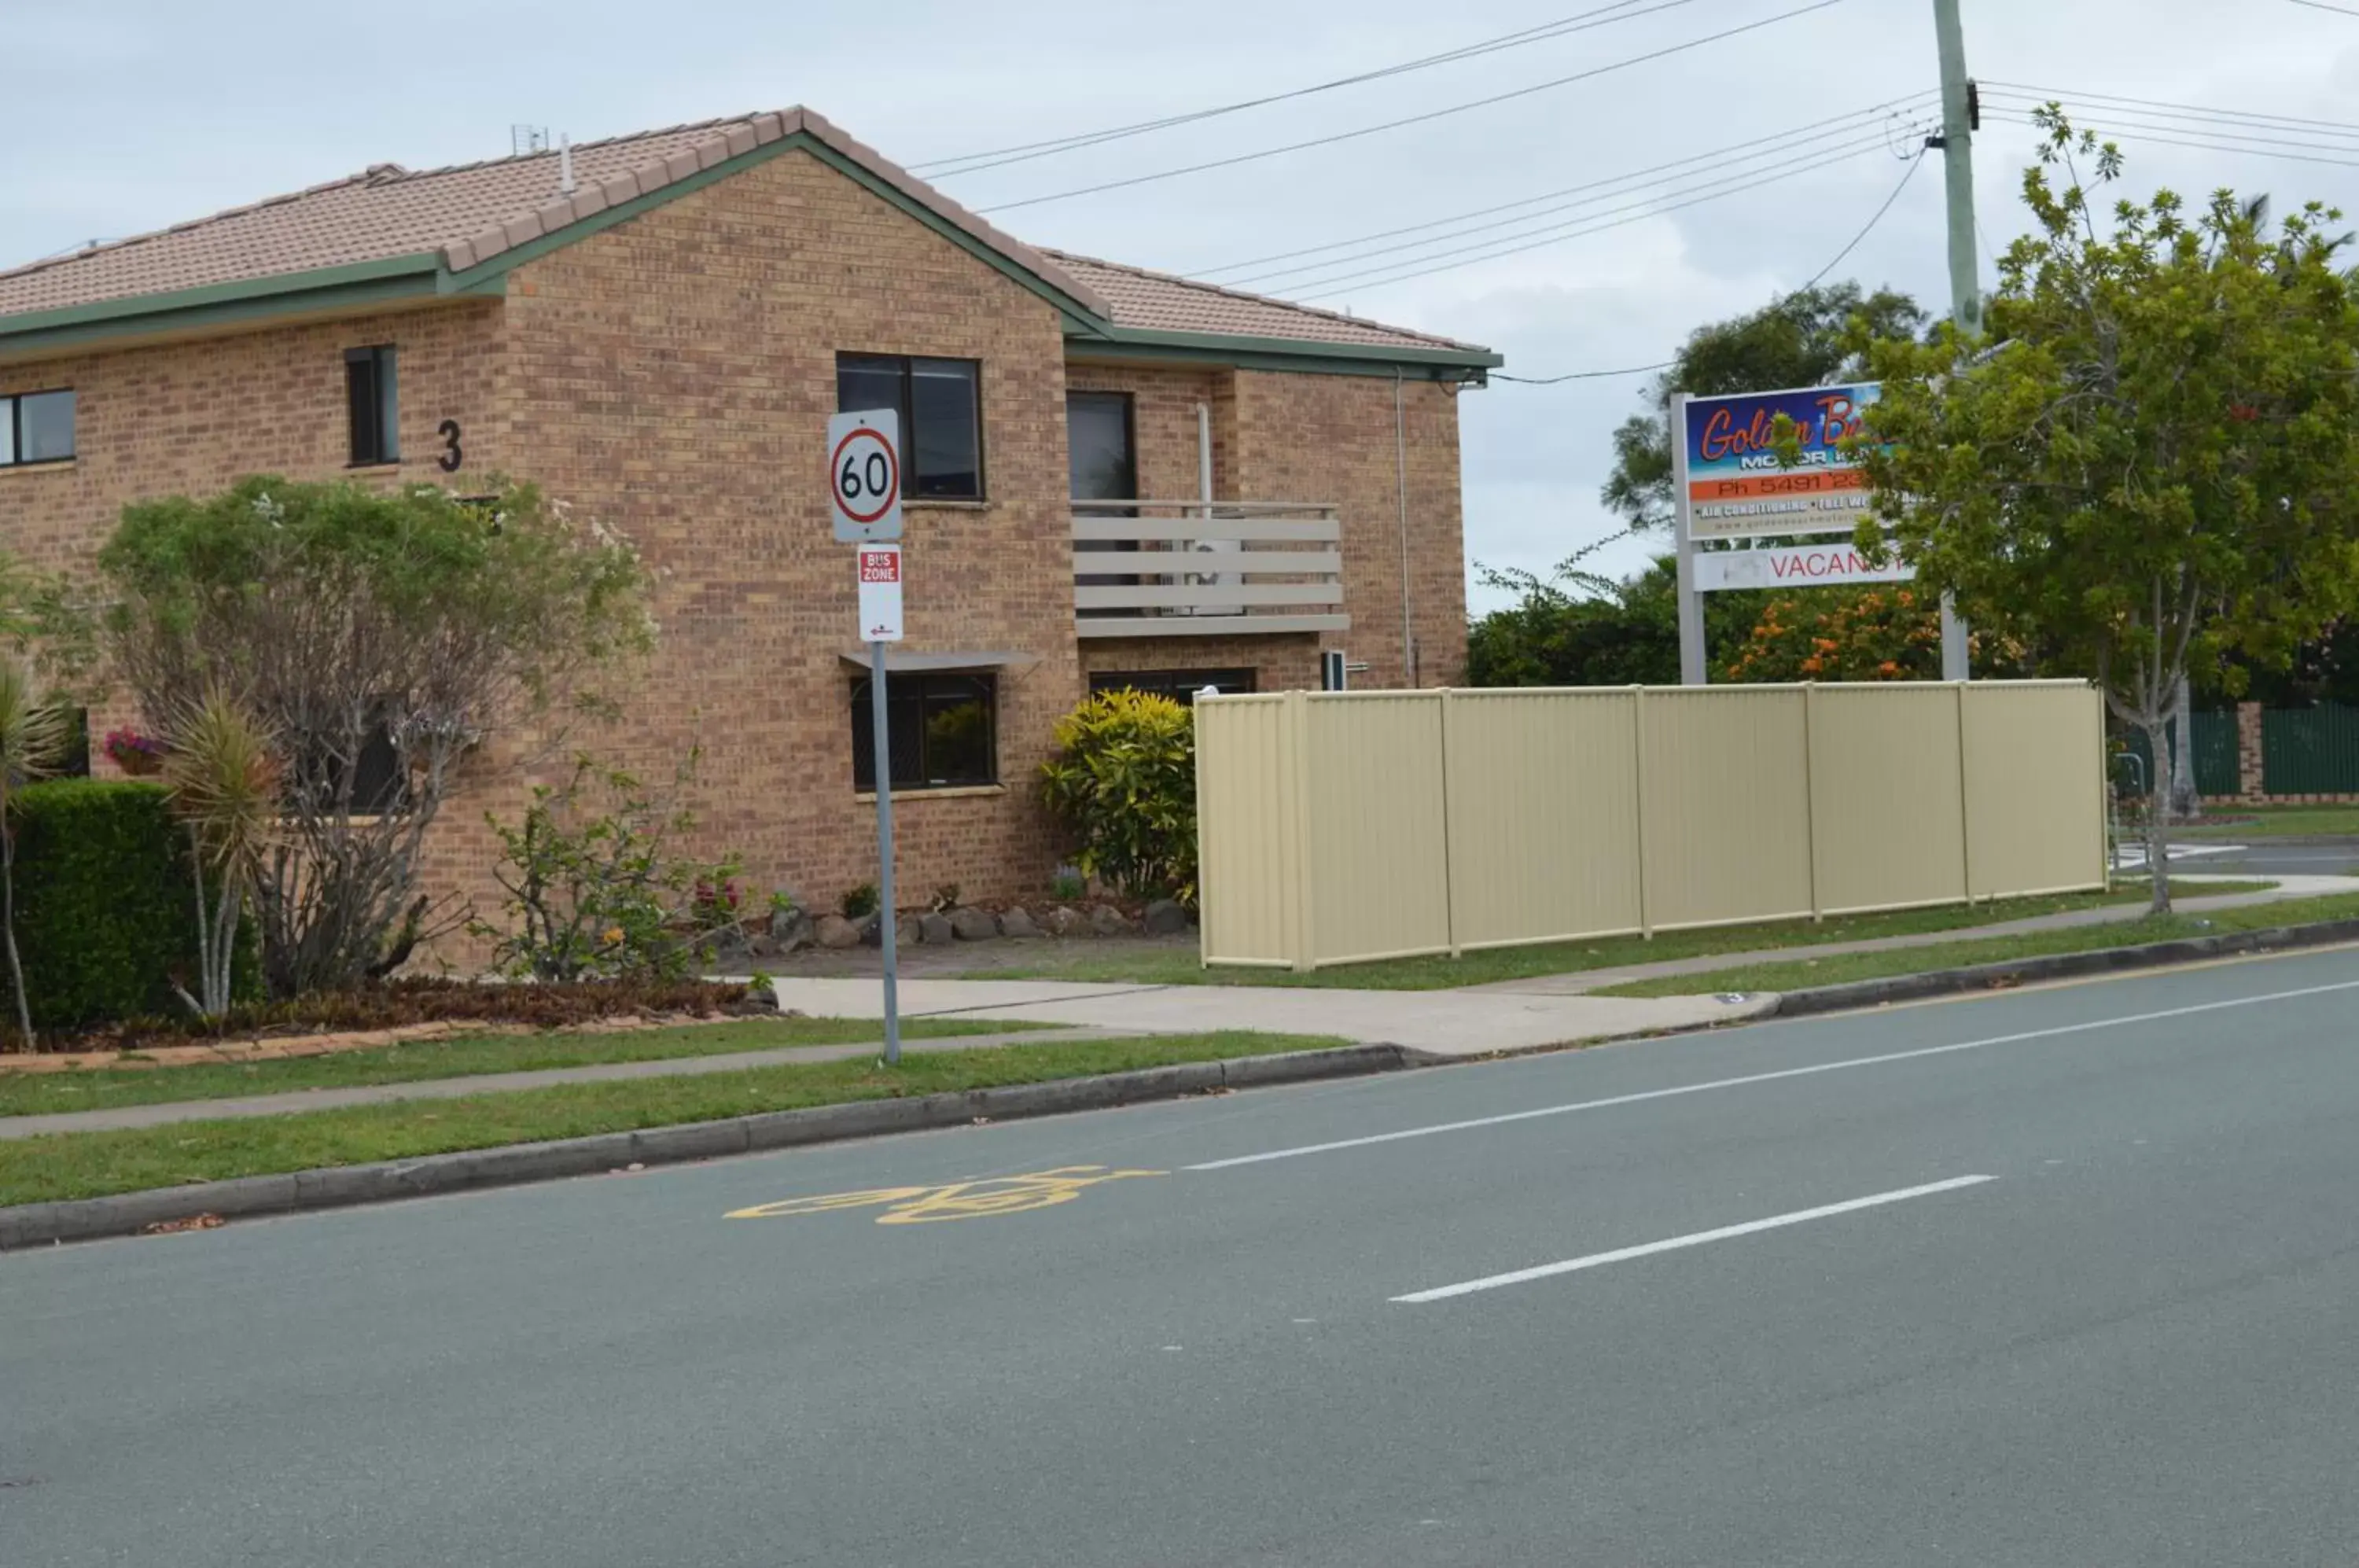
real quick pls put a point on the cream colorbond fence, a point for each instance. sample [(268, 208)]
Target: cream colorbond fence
[(1337, 827)]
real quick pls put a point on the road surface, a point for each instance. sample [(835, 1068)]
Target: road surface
[(2068, 1275)]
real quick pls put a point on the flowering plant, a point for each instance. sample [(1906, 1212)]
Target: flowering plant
[(135, 754)]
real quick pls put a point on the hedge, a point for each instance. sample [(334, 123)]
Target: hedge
[(105, 910)]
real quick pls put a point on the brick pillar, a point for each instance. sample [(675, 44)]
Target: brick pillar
[(2249, 769)]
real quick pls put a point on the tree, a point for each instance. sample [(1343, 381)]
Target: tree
[(1802, 340), (224, 781), (2157, 463), (358, 627)]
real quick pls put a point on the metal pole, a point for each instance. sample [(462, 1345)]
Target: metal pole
[(1691, 603), (887, 929), (1965, 286)]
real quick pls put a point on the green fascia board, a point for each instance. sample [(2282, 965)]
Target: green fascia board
[(345, 299), (1286, 353), (415, 265), (479, 278)]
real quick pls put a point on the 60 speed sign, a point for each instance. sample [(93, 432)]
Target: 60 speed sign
[(864, 475)]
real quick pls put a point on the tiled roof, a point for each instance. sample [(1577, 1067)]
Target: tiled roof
[(1165, 303), (469, 214)]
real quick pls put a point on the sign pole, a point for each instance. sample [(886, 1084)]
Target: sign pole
[(1690, 601), (887, 929), (863, 482)]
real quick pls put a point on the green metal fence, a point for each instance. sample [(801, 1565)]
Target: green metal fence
[(2308, 751), (2216, 768)]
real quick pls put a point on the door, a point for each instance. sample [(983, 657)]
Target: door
[(1099, 433)]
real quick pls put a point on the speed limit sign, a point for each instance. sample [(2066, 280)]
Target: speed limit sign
[(864, 475)]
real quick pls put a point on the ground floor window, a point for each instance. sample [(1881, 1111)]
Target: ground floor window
[(944, 731), (1179, 685)]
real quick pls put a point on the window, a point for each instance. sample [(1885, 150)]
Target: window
[(37, 427), (378, 776), (941, 728), (372, 401), (941, 423), (1179, 685), (1102, 458)]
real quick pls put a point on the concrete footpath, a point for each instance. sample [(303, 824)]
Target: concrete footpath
[(1446, 1023)]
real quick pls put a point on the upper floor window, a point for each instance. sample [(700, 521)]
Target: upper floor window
[(374, 405), (37, 427), (941, 405)]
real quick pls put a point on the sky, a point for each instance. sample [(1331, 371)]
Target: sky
[(129, 115)]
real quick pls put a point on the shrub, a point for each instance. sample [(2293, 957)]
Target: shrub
[(593, 891), (859, 902), (105, 907), (1123, 783)]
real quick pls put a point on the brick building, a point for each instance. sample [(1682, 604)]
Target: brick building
[(655, 330)]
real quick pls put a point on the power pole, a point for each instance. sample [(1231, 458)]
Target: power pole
[(1957, 145)]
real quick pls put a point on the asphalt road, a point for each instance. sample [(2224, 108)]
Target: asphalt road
[(2268, 857), (2057, 1277)]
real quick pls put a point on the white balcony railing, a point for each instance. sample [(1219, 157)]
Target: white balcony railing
[(1206, 567)]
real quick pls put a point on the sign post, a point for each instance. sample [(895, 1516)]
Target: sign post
[(864, 481)]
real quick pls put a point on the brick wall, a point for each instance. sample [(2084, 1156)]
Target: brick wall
[(673, 375), (1304, 436)]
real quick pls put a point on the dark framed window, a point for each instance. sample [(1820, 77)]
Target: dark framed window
[(1179, 685), (373, 402), (378, 774), (941, 404), (37, 427), (943, 729)]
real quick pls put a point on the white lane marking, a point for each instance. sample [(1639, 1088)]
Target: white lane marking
[(1623, 1254), (1712, 1084)]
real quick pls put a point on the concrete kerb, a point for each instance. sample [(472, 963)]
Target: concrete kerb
[(128, 1213), (2059, 966)]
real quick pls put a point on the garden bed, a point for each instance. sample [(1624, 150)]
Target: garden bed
[(395, 1010)]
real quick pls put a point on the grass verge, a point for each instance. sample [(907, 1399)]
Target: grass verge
[(101, 1088), (1843, 968), (1441, 972), (2279, 822), (91, 1164)]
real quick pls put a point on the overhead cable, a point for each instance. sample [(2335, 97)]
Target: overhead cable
[(1025, 152), (1427, 117)]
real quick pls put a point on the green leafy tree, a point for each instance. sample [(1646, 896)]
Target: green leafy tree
[(1122, 781), (1576, 627), (1802, 340), (348, 621), (2156, 462)]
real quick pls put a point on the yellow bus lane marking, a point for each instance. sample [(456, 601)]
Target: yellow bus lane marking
[(953, 1200)]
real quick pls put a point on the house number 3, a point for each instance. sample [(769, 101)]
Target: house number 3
[(451, 454)]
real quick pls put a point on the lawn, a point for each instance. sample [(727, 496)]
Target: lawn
[(1842, 968), (92, 1089), (2280, 821), (1441, 972), (82, 1165)]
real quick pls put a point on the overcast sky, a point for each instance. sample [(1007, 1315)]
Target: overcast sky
[(128, 115)]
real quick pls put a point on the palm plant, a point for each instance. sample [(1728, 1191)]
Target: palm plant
[(224, 779), (33, 733)]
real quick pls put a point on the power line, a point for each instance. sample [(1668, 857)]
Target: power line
[(1778, 143), (1816, 278), (1595, 223), (1326, 286), (2118, 120), (2322, 5), (1416, 119), (1025, 152), (2199, 111), (2201, 146)]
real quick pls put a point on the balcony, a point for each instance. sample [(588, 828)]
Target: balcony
[(1206, 567)]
